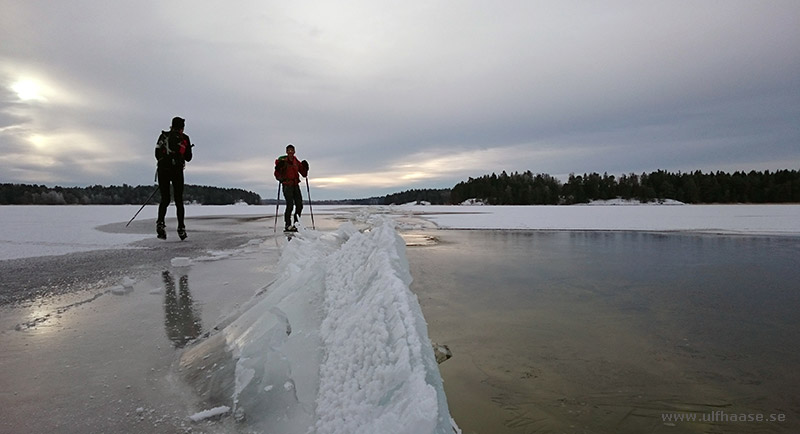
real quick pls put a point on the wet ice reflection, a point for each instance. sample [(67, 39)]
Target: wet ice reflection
[(181, 316)]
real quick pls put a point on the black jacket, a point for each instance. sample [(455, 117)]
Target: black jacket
[(173, 149)]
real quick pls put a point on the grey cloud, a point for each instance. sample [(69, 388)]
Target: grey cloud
[(619, 87)]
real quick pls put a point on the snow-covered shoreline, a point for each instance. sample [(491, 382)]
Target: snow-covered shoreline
[(772, 220), (30, 230)]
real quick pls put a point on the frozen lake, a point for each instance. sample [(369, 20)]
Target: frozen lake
[(611, 331), (601, 319)]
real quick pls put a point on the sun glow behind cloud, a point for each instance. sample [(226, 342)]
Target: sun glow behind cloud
[(84, 150), (414, 170), (42, 140), (62, 143), (31, 86), (422, 167), (28, 89)]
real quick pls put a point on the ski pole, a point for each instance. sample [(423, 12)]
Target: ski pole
[(310, 208), (143, 205), (277, 204)]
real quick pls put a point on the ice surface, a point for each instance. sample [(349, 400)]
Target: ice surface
[(336, 344), (29, 231)]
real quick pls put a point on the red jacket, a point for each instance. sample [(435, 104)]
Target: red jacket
[(288, 170)]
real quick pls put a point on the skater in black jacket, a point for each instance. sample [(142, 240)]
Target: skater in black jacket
[(173, 150)]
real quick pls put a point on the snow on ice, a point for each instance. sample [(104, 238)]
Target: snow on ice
[(208, 414), (180, 261)]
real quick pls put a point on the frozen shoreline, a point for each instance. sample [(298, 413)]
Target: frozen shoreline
[(772, 220), (29, 231)]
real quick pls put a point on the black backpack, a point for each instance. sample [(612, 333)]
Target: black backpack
[(163, 142)]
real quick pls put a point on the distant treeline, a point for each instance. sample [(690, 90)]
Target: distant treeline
[(23, 194), (439, 196), (781, 186)]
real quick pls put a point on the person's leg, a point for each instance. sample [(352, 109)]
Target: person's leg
[(288, 196), (177, 190), (298, 203), (163, 188)]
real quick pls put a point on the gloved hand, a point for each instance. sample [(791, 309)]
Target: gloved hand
[(304, 163)]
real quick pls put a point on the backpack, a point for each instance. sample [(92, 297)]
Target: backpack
[(280, 168), (165, 151), (163, 142)]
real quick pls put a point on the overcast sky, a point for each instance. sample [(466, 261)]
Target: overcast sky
[(384, 96)]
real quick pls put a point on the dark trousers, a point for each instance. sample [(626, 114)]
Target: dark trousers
[(294, 201), (174, 176)]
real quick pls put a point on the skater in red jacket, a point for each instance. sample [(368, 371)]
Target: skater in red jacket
[(288, 170)]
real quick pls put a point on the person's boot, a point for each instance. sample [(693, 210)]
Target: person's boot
[(161, 230), (182, 232)]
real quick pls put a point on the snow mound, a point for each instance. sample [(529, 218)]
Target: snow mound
[(336, 344), (631, 202), (379, 373)]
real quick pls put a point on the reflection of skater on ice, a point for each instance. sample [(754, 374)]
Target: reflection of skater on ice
[(181, 320)]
